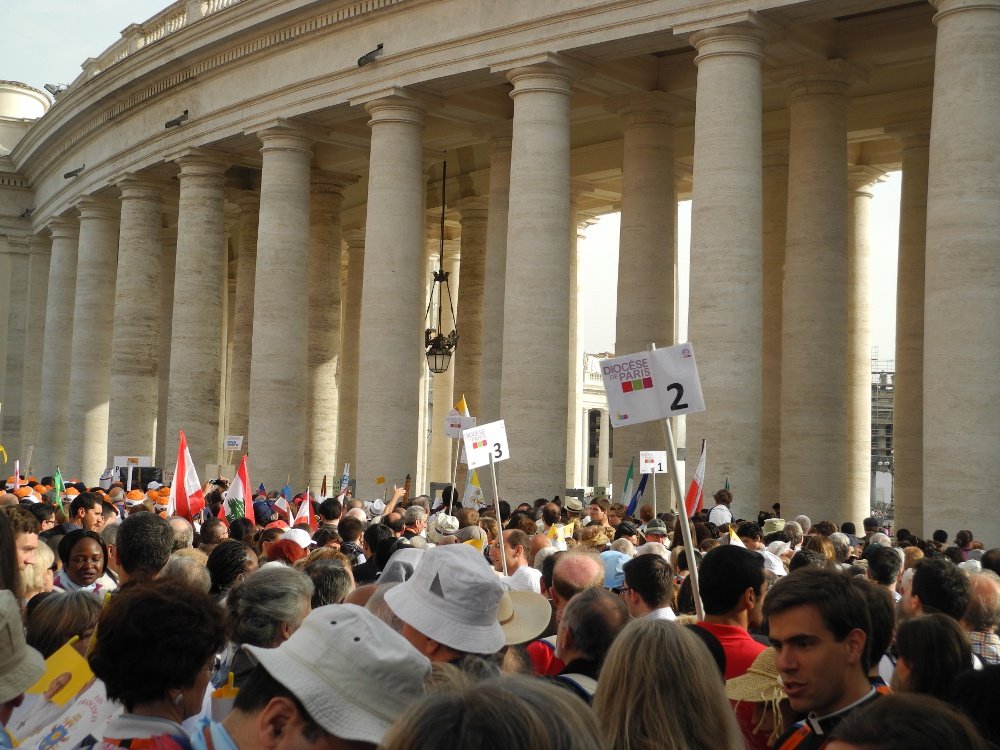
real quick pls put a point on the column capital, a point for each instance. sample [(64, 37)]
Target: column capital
[(92, 207), (827, 78), (734, 39), (200, 162), (284, 137), (947, 7), (323, 181), (39, 244), (398, 106), (133, 187), (471, 208), (546, 77), (18, 246), (355, 239), (861, 178), (247, 200), (646, 108), (911, 134), (63, 227)]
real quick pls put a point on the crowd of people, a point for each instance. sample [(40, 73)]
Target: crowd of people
[(410, 623)]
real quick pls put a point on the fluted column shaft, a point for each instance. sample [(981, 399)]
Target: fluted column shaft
[(495, 273), (814, 317), (326, 197), (93, 330), (198, 306), (278, 374), (238, 421), (727, 258), (962, 303), (54, 406), (135, 354), (391, 358), (908, 395), (38, 292), (646, 258), (536, 330), (860, 180), (347, 418)]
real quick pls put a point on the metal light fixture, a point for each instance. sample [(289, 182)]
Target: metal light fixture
[(439, 347), (74, 172)]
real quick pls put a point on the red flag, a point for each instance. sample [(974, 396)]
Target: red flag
[(221, 515), (694, 500), (239, 498), (186, 498)]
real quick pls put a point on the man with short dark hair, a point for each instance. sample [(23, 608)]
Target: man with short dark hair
[(144, 544), (598, 512), (871, 527), (84, 512), (520, 575), (368, 571), (590, 624), (330, 511), (885, 564), (350, 531), (649, 587), (213, 532), (819, 626), (721, 513), (25, 527), (938, 586)]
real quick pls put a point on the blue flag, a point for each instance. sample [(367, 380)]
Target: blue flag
[(637, 496)]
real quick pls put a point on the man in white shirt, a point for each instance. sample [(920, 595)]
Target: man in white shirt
[(520, 575), (649, 587)]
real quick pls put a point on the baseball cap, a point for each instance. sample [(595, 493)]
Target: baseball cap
[(614, 572), (387, 673), (20, 665), (299, 536), (452, 598), (153, 486)]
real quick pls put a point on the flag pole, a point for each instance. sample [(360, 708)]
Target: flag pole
[(454, 472), (496, 505), (668, 436)]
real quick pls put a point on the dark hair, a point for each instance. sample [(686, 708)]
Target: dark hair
[(824, 528), (144, 543), (168, 628), (725, 573), (748, 529), (652, 578), (350, 529), (549, 566), (324, 535), (884, 564), (881, 612), (848, 527), (260, 688), (518, 538), (10, 576), (963, 538), (330, 509), (227, 562), (42, 511), (22, 520), (85, 501), (940, 536), (991, 560), (211, 531), (936, 649), (551, 513), (395, 525), (596, 617), (68, 542), (386, 548), (331, 582), (723, 497), (941, 587), (58, 617), (601, 502), (974, 692), (375, 533), (904, 722), (240, 528), (504, 511), (840, 605)]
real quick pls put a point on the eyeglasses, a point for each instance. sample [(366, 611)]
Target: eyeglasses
[(623, 590), (214, 665)]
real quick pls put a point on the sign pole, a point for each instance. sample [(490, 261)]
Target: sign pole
[(496, 505), (654, 493), (454, 474)]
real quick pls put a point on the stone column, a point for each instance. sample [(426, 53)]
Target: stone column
[(469, 353), (168, 260), (238, 421), (326, 197), (727, 258), (646, 257), (347, 418), (135, 351), (814, 315), (495, 272), (54, 406), (441, 455), (93, 329), (962, 304), (775, 177), (536, 331), (38, 290), (17, 332), (858, 383), (603, 451), (5, 271), (907, 400), (199, 277), (575, 426), (278, 379), (391, 357)]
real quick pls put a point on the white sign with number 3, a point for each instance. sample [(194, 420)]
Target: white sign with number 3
[(485, 441)]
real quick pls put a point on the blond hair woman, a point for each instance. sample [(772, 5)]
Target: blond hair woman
[(660, 688)]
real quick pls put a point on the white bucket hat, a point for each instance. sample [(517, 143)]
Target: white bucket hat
[(386, 672), (452, 598), (20, 665)]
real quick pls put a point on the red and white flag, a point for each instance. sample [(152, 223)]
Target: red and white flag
[(239, 499), (695, 498), (186, 498), (282, 505), (305, 513)]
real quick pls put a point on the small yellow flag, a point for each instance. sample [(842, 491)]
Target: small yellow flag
[(379, 480)]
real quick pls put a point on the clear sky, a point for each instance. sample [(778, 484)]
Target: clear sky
[(45, 41)]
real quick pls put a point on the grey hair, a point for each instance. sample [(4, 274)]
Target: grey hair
[(841, 545), (794, 532), (983, 612), (183, 532), (543, 553), (266, 600), (414, 514), (624, 546), (804, 522), (187, 570), (110, 533)]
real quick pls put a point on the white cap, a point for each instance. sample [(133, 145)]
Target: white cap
[(299, 536)]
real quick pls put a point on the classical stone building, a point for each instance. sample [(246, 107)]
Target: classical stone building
[(230, 234)]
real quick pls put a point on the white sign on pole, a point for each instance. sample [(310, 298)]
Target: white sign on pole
[(234, 442), (652, 385), (652, 462), (484, 441), (454, 423)]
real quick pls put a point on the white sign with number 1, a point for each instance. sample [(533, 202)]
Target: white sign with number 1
[(652, 462), (485, 441)]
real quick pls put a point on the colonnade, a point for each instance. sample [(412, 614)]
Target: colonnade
[(125, 338)]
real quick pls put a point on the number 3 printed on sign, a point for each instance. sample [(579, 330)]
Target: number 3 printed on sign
[(497, 451)]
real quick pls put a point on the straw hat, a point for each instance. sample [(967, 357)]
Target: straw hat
[(761, 684)]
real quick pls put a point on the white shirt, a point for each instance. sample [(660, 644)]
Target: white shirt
[(664, 613), (525, 578)]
